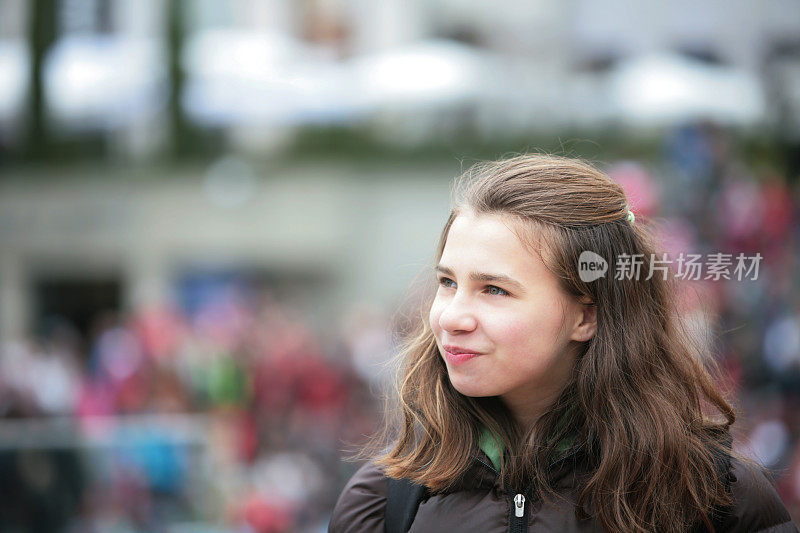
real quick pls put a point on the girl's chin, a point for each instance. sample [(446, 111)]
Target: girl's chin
[(473, 390)]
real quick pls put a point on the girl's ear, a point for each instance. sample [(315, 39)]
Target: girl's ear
[(586, 325)]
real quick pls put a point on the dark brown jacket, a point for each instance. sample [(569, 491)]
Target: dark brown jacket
[(480, 504)]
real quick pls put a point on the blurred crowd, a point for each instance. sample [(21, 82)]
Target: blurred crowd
[(234, 416)]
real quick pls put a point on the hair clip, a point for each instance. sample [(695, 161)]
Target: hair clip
[(631, 217)]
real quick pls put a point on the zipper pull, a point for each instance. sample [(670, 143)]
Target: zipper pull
[(519, 504)]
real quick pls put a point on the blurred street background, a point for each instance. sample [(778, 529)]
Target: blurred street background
[(213, 215)]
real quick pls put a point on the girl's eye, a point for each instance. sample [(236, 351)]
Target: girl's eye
[(444, 282), (496, 291)]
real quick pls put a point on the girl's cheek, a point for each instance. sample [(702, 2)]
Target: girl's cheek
[(507, 323), (509, 332)]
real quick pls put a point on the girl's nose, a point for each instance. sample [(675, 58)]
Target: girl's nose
[(457, 316)]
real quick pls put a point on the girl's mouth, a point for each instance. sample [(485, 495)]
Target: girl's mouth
[(458, 358)]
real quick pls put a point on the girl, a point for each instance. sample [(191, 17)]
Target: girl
[(542, 393)]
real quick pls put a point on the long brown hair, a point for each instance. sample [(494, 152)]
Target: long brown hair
[(642, 405)]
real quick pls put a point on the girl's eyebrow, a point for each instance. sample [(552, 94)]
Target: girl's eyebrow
[(486, 278)]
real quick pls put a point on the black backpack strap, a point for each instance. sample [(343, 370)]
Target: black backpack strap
[(402, 501)]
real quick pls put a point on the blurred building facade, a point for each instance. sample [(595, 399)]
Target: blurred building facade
[(139, 74), (326, 235)]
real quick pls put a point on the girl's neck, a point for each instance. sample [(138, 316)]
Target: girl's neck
[(527, 412)]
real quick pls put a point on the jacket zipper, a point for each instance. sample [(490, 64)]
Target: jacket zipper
[(518, 522), (519, 505)]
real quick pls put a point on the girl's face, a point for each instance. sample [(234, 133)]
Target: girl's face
[(502, 323)]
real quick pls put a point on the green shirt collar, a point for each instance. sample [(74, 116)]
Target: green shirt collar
[(492, 447)]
